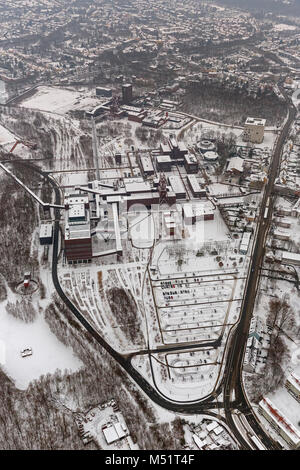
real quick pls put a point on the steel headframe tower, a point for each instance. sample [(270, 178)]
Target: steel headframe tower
[(114, 107), (162, 189)]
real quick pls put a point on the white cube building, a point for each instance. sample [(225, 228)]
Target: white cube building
[(254, 130)]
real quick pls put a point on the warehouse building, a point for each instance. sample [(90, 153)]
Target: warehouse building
[(78, 240), (103, 92), (177, 186)]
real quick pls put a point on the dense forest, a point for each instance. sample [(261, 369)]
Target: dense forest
[(214, 102)]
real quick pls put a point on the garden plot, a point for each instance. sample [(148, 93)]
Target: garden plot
[(91, 290), (83, 291)]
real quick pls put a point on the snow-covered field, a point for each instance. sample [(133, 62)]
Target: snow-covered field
[(60, 100), (6, 137), (49, 354), (72, 178), (7, 141)]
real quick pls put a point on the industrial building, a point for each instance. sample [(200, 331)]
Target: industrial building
[(95, 209), (204, 213), (78, 240), (46, 234), (193, 214), (177, 186), (210, 156), (178, 149), (146, 165), (114, 432), (195, 187), (165, 149), (152, 120), (191, 163), (254, 130), (136, 116), (104, 92), (163, 163)]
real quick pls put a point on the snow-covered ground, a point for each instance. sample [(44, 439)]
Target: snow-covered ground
[(6, 137), (61, 100), (72, 178), (49, 354)]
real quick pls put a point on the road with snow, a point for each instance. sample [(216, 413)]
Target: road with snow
[(233, 384)]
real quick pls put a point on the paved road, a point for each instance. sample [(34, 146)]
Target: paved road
[(234, 364)]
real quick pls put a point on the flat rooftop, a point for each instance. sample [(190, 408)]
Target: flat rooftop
[(255, 121), (77, 210), (46, 230)]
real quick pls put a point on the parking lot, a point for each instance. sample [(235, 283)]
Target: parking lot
[(193, 309)]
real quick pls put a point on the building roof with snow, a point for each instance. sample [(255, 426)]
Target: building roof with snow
[(236, 165)]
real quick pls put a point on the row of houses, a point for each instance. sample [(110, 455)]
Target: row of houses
[(277, 419)]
